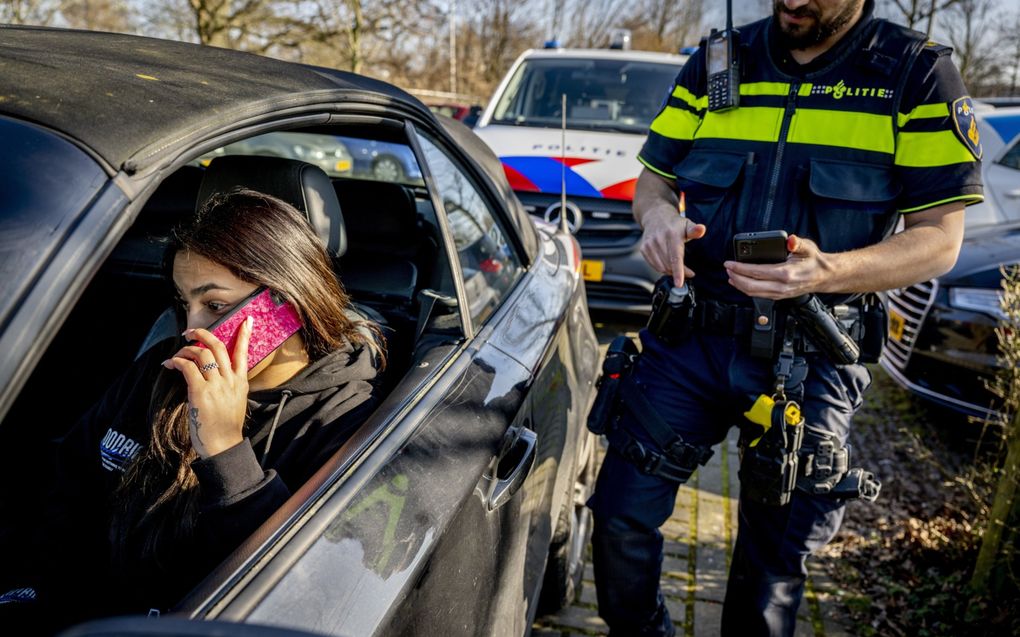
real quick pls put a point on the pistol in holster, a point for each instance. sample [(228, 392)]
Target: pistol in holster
[(617, 365)]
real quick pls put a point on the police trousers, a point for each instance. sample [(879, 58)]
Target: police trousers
[(701, 387)]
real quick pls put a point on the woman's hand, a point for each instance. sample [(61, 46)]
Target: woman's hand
[(217, 388)]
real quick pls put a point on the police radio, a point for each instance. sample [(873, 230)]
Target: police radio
[(723, 65)]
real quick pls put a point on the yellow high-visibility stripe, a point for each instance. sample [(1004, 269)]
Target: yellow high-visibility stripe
[(751, 123), (805, 90), (692, 100), (844, 129), (654, 169), (966, 199), (764, 88), (926, 150), (676, 123), (922, 112)]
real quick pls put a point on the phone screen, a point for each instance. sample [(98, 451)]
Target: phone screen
[(717, 54), (276, 320)]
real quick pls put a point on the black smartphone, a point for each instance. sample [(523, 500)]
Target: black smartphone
[(768, 246)]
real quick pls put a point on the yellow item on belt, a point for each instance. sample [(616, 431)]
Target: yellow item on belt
[(760, 413)]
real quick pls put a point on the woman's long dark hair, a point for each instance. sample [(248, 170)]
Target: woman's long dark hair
[(264, 241)]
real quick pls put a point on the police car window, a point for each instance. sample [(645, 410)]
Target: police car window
[(1012, 157), (601, 94), (489, 266), (337, 155)]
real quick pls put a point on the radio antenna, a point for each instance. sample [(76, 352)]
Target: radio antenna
[(564, 227), (729, 15)]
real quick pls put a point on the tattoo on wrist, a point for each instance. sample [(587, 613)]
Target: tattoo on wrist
[(195, 424)]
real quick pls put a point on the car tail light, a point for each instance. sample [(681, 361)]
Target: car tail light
[(491, 266)]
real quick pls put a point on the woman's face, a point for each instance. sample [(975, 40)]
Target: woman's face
[(206, 290)]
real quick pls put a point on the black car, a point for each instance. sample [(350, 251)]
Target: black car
[(942, 343), (459, 505)]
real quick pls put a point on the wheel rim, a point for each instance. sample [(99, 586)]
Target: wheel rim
[(581, 514), (386, 169)]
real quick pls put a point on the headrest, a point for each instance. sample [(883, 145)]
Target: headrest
[(304, 186), (383, 212)]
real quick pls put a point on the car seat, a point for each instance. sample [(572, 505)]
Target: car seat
[(304, 186)]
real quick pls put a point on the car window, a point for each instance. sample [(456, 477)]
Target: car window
[(337, 155), (488, 263), (1012, 157), (613, 95)]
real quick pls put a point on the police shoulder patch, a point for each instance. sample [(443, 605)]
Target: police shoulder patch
[(965, 123)]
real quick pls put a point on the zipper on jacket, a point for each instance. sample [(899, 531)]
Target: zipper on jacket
[(784, 130)]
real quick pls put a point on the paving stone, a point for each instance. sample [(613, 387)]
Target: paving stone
[(588, 595), (707, 618), (677, 612), (538, 631)]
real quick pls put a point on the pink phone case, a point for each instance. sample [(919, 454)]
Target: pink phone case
[(275, 322)]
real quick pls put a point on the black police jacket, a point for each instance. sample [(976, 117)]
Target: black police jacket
[(878, 126)]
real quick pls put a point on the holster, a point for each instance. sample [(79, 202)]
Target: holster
[(616, 367), (768, 470)]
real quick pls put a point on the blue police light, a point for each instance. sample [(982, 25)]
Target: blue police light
[(551, 44), (688, 50)]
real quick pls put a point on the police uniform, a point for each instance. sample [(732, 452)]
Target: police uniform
[(835, 151)]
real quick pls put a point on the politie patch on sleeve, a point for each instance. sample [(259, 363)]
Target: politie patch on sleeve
[(965, 122)]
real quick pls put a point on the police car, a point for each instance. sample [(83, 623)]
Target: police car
[(611, 97)]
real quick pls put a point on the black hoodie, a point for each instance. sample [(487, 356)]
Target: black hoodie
[(303, 422)]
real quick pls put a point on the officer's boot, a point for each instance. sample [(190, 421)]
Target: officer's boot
[(627, 568), (758, 604)]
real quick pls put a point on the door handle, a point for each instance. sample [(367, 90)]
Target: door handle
[(512, 466), (1013, 194)]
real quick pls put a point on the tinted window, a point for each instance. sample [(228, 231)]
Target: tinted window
[(45, 183), (616, 95), (488, 263)]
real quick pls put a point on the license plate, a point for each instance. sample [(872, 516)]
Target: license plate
[(591, 270), (896, 324)]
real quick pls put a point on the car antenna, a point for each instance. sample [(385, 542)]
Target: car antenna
[(564, 226)]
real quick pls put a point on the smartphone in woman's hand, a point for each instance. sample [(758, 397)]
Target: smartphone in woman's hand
[(276, 320)]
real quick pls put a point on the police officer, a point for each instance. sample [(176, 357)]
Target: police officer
[(846, 125)]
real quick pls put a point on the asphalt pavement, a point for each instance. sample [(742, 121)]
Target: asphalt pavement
[(698, 547)]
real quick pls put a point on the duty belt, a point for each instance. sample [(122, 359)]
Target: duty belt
[(712, 317)]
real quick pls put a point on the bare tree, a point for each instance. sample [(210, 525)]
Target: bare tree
[(917, 14), (666, 25), (969, 26), (98, 15), (37, 12), (590, 22)]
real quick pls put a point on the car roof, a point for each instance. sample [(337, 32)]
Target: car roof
[(123, 98), (1005, 121), (607, 54)]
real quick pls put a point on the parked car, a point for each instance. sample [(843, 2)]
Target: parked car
[(459, 505), (327, 152), (942, 344), (612, 96), (383, 161)]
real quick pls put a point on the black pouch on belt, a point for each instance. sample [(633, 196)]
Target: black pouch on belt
[(616, 367)]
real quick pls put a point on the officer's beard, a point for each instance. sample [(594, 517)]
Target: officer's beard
[(798, 37)]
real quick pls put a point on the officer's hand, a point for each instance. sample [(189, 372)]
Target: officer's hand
[(804, 271), (662, 244)]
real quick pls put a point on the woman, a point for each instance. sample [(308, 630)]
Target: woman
[(189, 451)]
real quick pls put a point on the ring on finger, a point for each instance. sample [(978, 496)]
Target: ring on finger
[(208, 367)]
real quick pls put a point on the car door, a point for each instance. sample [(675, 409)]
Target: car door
[(1003, 180), (427, 532)]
